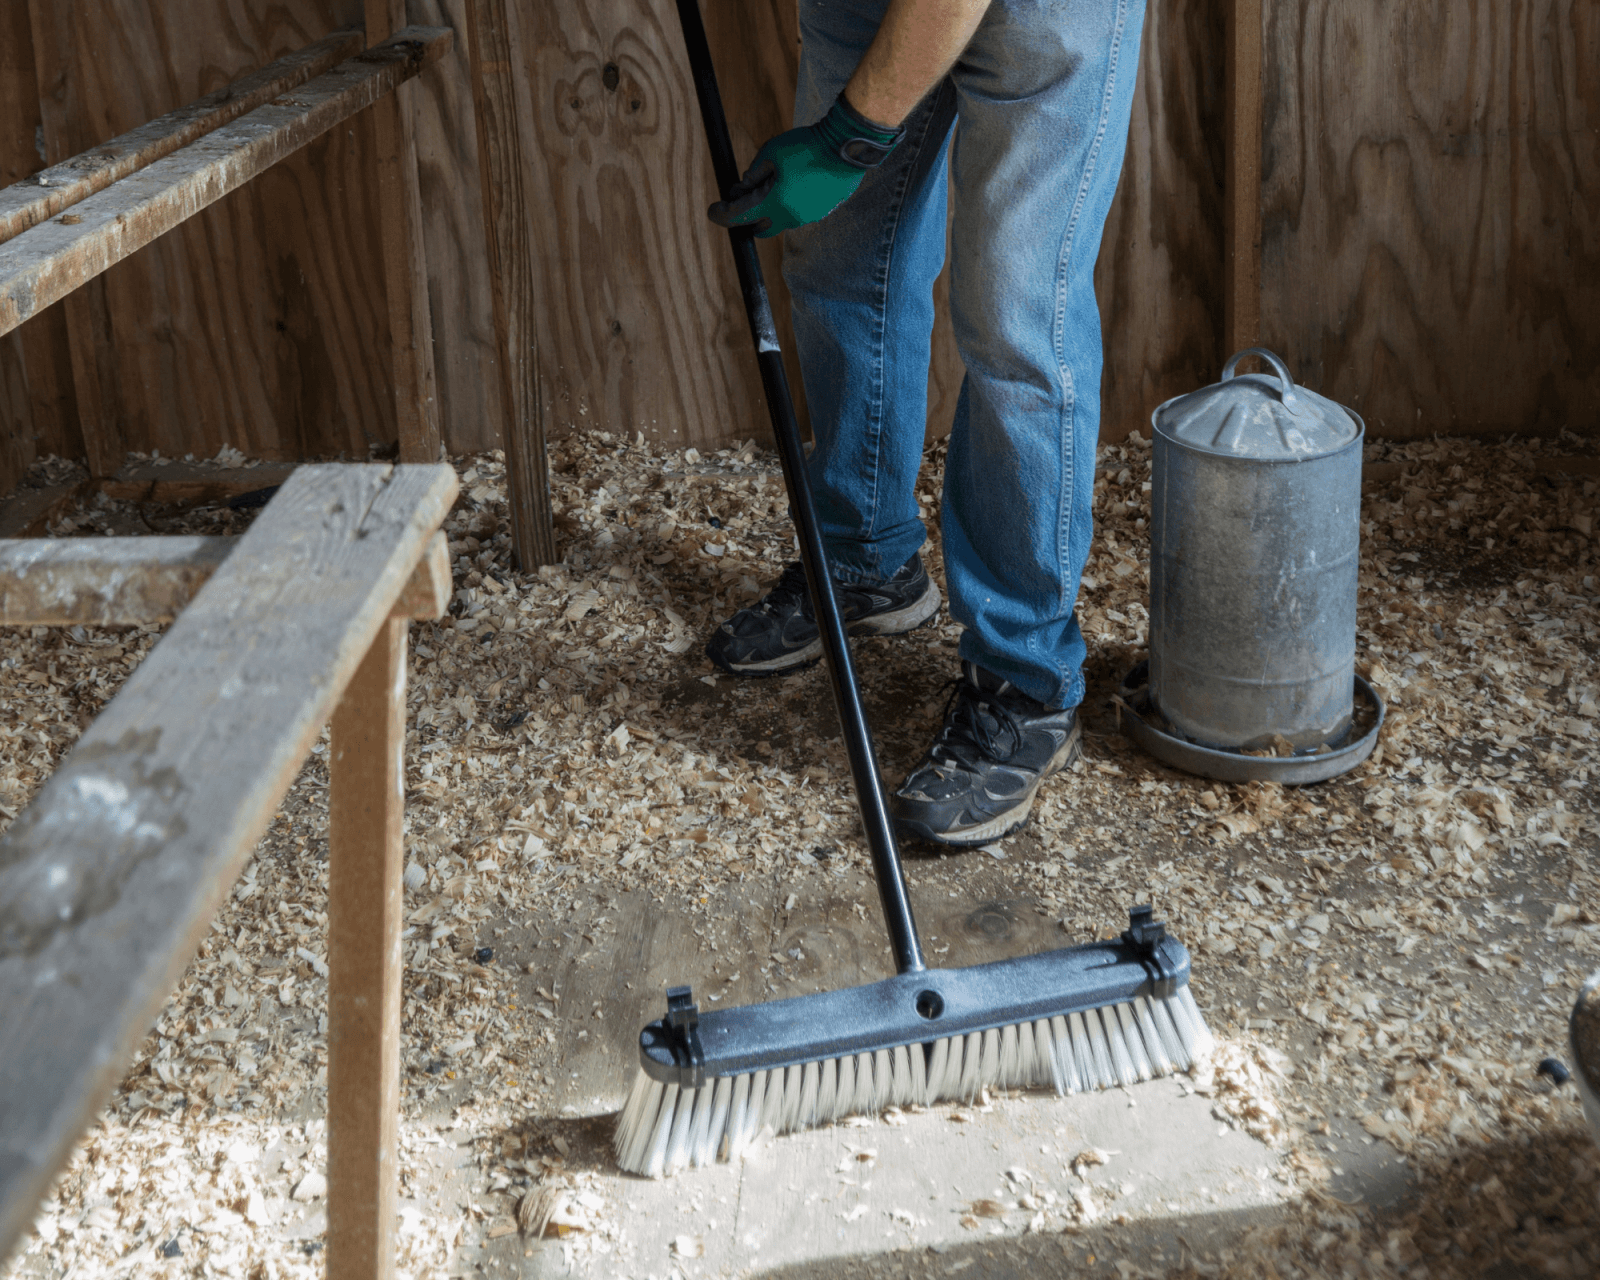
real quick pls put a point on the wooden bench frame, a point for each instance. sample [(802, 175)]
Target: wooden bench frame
[(110, 878)]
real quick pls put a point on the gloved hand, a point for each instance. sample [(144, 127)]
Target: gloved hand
[(805, 174)]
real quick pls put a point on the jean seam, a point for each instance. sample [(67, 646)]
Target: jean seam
[(896, 207), (1068, 388)]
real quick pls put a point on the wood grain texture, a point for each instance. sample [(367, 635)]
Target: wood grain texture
[(641, 325), (104, 582), (465, 354), (110, 877), (263, 323), (502, 172), (1431, 210), (1241, 199), (1159, 277), (57, 188), (404, 265), (35, 367), (44, 264), (143, 581), (366, 902)]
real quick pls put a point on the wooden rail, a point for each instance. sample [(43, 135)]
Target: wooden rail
[(110, 878), (56, 189), (44, 264)]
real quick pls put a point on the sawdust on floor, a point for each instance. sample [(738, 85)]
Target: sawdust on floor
[(1386, 956)]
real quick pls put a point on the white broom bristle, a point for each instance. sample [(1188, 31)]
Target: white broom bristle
[(664, 1128)]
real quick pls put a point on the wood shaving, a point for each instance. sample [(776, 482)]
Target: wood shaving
[(1385, 957)]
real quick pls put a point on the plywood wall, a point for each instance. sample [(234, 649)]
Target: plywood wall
[(1431, 209), (1160, 273)]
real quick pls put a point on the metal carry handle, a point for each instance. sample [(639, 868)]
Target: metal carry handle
[(1286, 392)]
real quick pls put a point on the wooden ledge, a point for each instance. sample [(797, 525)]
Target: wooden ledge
[(131, 582)]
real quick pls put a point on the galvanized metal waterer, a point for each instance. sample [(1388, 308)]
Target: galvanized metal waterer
[(1255, 544)]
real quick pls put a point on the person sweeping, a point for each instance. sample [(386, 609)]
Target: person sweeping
[(1038, 95), (1094, 1016)]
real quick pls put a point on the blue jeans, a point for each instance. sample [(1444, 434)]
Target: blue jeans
[(1043, 97)]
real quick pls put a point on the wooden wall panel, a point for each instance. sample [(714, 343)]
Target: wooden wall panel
[(1431, 207), (262, 323), (452, 213), (1159, 278), (1159, 275), (38, 414), (642, 326)]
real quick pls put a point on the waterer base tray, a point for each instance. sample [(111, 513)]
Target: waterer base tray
[(1133, 711)]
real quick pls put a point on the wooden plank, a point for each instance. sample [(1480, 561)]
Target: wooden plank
[(1159, 277), (405, 267), (1241, 212), (131, 582), (108, 880), (98, 428), (465, 350), (1431, 240), (27, 513), (366, 900), (19, 156), (427, 590), (502, 172), (185, 484), (640, 324), (55, 189), (262, 322), (46, 263), (104, 582)]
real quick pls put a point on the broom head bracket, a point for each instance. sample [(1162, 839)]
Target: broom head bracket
[(1148, 936), (683, 1026)]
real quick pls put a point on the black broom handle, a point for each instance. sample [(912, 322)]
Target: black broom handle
[(835, 644)]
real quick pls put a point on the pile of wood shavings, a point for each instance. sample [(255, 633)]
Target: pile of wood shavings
[(1398, 947)]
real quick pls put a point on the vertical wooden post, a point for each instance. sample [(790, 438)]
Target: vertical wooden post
[(366, 801), (505, 225), (1241, 304), (405, 263)]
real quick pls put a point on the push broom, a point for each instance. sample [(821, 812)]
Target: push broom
[(1086, 1017)]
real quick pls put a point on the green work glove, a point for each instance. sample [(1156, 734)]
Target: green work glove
[(805, 174)]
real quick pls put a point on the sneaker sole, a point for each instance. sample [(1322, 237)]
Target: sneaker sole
[(895, 623), (1005, 824)]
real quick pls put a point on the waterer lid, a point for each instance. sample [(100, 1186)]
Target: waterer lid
[(1258, 417)]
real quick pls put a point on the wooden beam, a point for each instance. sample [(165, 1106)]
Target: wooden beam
[(27, 513), (110, 878), (427, 591), (104, 582), (181, 484), (416, 400), (48, 262), (1241, 215), (55, 189), (366, 858), (133, 582), (494, 46)]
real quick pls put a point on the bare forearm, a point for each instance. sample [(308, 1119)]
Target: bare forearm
[(917, 43)]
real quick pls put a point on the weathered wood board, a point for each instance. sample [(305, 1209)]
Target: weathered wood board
[(44, 264), (111, 875), (1431, 210), (1160, 272)]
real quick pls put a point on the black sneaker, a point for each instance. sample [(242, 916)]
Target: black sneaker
[(779, 634), (978, 780)]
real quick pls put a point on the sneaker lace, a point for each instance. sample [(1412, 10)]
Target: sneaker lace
[(973, 727), (790, 587)]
